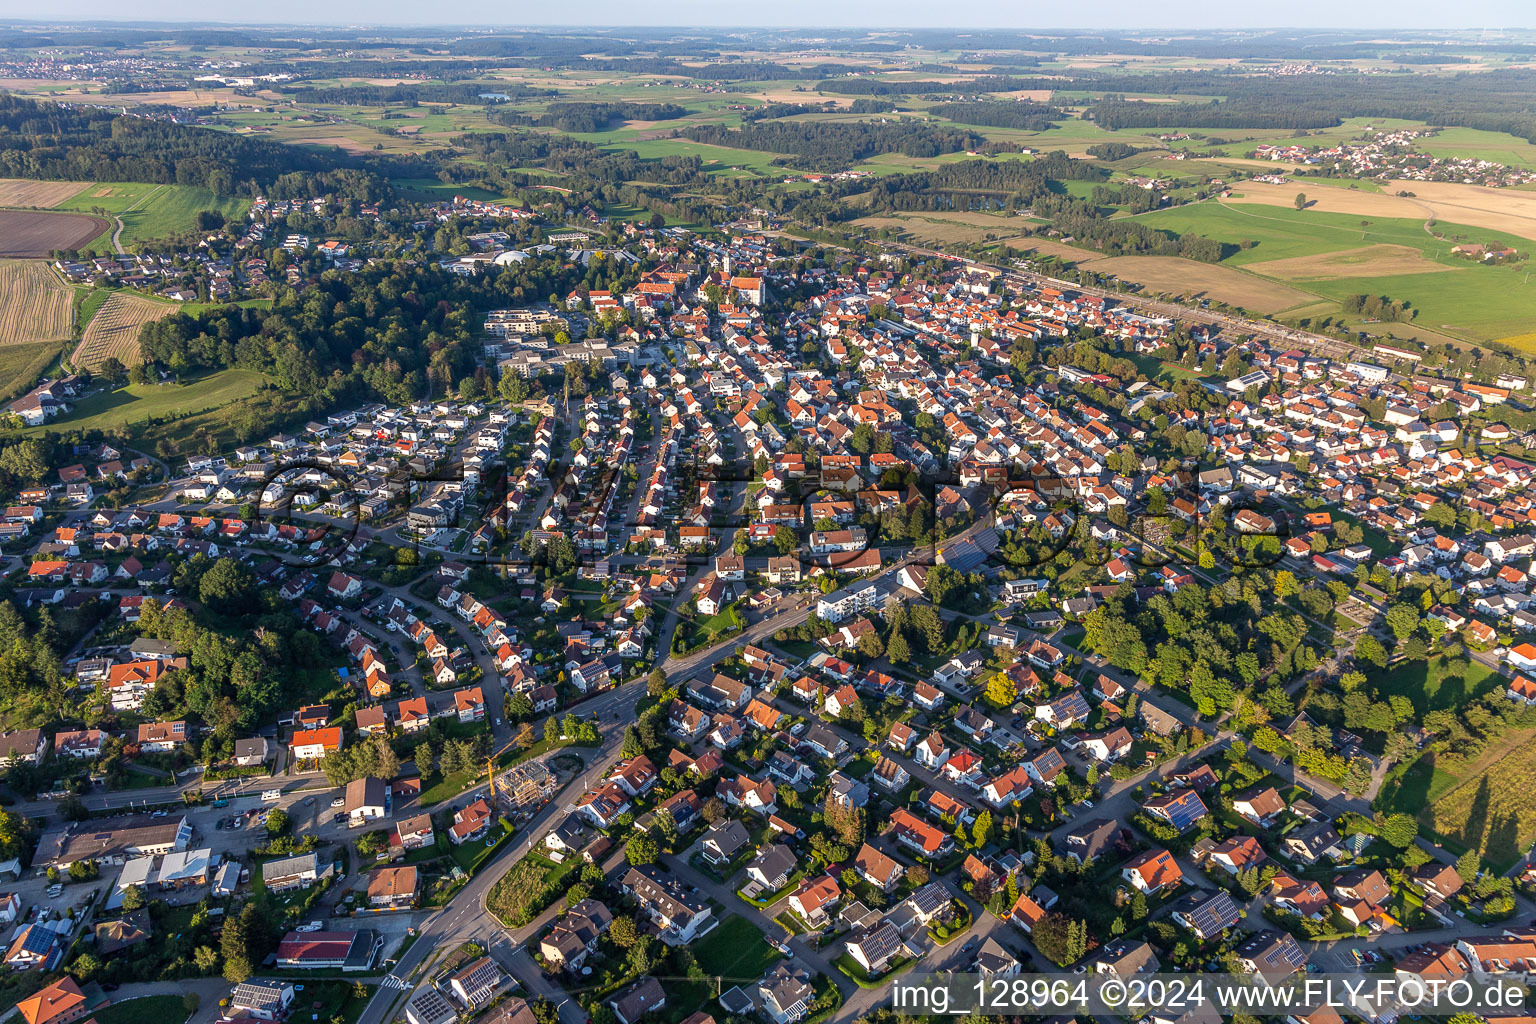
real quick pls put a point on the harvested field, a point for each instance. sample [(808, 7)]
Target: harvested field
[(1329, 200), (943, 228), (1049, 247), (1498, 209), (30, 233), (34, 304), (114, 330), (1366, 261), (42, 194), (1177, 276)]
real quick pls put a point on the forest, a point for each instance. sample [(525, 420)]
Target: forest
[(1025, 116), (1025, 182), (880, 87), (573, 157), (1499, 101), (593, 117), (415, 93), (394, 330), (835, 146), (52, 142)]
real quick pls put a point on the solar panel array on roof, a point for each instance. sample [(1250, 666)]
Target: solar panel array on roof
[(962, 555), (1183, 809)]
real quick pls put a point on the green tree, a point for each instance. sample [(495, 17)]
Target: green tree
[(25, 461), (85, 967), (387, 762), (1285, 584), (1399, 829), (425, 756), (1402, 619), (227, 586), (785, 540), (1369, 649), (981, 829), (206, 958), (1468, 865), (641, 849), (1001, 690)]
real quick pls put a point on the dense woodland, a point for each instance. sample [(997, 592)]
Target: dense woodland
[(878, 87), (593, 117), (416, 93), (1500, 101), (395, 330), (53, 142), (834, 146), (1032, 117), (500, 152)]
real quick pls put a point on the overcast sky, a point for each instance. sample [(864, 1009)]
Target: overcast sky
[(1100, 14)]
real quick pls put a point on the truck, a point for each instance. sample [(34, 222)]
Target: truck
[(272, 794)]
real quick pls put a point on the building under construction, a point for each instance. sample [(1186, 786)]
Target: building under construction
[(525, 785)]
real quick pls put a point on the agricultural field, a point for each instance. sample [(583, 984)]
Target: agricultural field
[(1490, 805), (150, 211), (941, 228), (21, 366), (1050, 247), (1506, 210), (37, 233), (34, 304), (1174, 275), (114, 330), (1474, 143), (1380, 260), (41, 194), (722, 160), (1458, 299)]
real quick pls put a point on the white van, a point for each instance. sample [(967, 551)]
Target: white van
[(272, 794)]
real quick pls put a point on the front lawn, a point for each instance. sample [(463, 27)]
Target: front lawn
[(736, 950), (849, 966), (143, 1010)]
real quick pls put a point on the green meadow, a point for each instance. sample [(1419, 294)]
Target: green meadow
[(1465, 301), (150, 211)]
